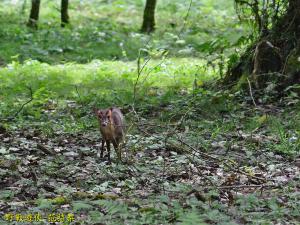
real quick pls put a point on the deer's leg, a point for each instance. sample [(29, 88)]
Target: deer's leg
[(117, 149), (108, 150), (102, 148)]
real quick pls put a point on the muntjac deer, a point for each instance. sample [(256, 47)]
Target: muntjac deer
[(112, 128)]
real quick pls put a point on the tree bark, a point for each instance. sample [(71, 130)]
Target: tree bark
[(149, 17), (34, 13), (290, 22), (274, 56), (64, 12)]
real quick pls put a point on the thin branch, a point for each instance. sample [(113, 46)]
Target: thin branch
[(221, 160), (185, 18), (243, 186), (150, 71), (251, 94), (139, 74), (76, 88), (21, 108), (31, 98), (201, 153)]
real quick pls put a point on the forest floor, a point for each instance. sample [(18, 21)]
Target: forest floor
[(206, 164)]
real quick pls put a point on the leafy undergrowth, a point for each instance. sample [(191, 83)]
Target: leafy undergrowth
[(206, 158), (53, 90), (109, 30)]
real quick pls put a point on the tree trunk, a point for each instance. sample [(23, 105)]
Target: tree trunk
[(64, 12), (274, 57), (290, 22), (149, 17), (34, 13)]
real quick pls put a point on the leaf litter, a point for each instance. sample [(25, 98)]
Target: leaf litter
[(229, 177)]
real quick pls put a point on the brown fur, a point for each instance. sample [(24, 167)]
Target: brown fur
[(112, 128)]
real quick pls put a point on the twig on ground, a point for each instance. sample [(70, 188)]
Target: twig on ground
[(243, 186), (31, 98), (21, 108), (221, 160), (44, 149), (201, 153), (251, 94), (247, 186)]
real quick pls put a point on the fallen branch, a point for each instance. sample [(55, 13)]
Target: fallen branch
[(242, 186), (220, 160), (245, 186), (44, 149), (201, 153), (31, 98)]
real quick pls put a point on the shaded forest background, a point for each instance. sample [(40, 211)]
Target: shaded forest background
[(94, 24)]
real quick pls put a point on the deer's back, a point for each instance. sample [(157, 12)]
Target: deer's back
[(118, 122)]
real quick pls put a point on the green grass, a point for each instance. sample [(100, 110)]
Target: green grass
[(103, 77), (96, 84), (109, 30)]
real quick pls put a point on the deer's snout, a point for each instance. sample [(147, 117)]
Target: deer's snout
[(104, 123)]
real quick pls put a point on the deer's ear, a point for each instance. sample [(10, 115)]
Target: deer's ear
[(109, 111), (98, 112)]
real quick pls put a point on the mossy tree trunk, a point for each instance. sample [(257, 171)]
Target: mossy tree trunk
[(149, 17), (272, 58), (64, 12), (34, 13)]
